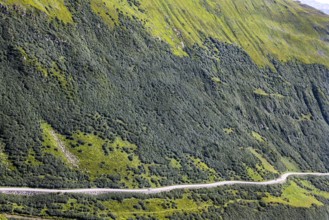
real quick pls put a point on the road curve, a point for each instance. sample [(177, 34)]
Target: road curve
[(280, 180)]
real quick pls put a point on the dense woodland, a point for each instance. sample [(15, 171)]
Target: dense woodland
[(213, 104)]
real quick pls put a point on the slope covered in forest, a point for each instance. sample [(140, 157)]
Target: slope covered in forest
[(135, 94), (280, 29)]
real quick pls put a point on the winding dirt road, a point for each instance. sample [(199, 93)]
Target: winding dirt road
[(280, 180)]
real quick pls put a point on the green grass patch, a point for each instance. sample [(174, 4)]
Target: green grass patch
[(175, 163), (238, 201), (279, 28), (50, 143), (54, 8), (216, 80), (289, 164), (128, 208), (98, 156), (294, 195), (118, 158), (157, 207), (16, 207), (257, 136), (32, 160), (306, 117), (315, 191), (263, 160), (71, 204), (213, 175), (260, 92), (4, 158), (277, 95), (228, 130), (58, 74), (3, 217), (253, 174)]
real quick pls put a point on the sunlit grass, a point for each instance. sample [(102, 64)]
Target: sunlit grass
[(263, 160), (294, 195), (277, 28), (54, 8)]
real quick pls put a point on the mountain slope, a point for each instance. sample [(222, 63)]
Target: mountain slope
[(134, 111), (282, 29)]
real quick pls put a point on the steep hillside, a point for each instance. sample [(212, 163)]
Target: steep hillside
[(282, 29), (263, 28), (134, 94)]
